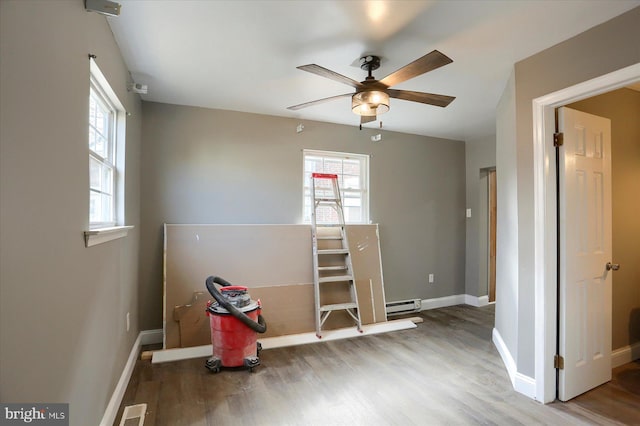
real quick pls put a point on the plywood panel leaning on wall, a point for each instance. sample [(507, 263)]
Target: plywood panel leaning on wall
[(192, 321), (274, 262)]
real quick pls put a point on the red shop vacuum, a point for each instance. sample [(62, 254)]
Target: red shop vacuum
[(235, 321)]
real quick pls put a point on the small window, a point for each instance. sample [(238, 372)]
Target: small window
[(353, 181), (106, 153)]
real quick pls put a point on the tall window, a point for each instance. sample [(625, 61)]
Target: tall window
[(102, 151), (353, 180), (107, 129)]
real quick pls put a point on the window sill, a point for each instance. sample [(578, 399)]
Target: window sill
[(102, 235)]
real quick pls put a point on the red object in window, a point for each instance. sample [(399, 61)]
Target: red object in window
[(324, 175)]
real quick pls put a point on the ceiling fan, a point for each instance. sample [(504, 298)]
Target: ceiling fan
[(371, 97)]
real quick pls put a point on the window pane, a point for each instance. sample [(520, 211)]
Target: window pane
[(353, 215), (100, 176), (92, 139), (352, 167), (107, 209), (95, 207), (100, 207), (326, 214), (107, 179), (101, 140), (313, 164), (333, 166), (101, 146), (351, 182), (95, 175), (100, 126), (351, 199)]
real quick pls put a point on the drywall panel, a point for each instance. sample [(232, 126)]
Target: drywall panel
[(251, 255), (275, 262), (364, 244)]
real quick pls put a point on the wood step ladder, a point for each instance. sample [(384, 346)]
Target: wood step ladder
[(326, 268)]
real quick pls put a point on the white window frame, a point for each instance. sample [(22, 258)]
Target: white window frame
[(107, 230), (363, 182)]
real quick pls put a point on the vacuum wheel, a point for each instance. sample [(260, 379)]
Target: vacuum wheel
[(213, 364)]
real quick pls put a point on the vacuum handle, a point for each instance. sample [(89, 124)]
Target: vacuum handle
[(258, 327), (219, 280), (234, 288)]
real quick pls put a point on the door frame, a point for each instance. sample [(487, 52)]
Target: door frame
[(492, 225), (545, 217)]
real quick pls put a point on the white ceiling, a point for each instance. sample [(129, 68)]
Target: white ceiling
[(242, 55)]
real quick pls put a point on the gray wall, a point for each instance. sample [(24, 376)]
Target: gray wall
[(62, 306), (623, 108), (212, 166), (480, 156), (507, 219), (598, 51)]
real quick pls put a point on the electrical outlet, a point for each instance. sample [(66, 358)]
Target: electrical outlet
[(128, 322), (431, 279)]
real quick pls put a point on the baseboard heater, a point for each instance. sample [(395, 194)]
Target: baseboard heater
[(404, 307)]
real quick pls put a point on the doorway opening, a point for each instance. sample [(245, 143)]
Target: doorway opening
[(545, 239), (488, 226)]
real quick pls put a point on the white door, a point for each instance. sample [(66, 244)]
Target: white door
[(585, 249)]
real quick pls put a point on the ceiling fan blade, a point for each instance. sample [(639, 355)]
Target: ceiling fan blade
[(318, 101), (424, 98), (367, 118), (332, 75), (428, 62)]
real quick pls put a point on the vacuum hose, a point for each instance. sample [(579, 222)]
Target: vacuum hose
[(258, 327)]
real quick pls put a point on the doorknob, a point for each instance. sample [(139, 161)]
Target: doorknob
[(613, 266)]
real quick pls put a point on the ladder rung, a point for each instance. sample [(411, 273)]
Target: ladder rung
[(338, 307), (329, 225), (330, 200), (334, 251), (332, 237), (336, 278), (332, 268)]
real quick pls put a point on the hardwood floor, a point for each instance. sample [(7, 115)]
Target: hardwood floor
[(445, 372)]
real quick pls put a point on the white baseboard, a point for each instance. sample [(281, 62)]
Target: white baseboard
[(625, 355), (457, 299), (525, 385), (520, 382), (507, 359), (151, 337), (144, 338), (118, 393), (476, 301), (442, 302)]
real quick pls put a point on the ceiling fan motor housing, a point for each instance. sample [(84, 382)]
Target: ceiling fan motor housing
[(370, 63)]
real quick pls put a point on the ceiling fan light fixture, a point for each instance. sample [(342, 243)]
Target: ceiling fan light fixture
[(370, 103)]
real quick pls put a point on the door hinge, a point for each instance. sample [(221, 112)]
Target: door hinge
[(558, 362), (558, 139)]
